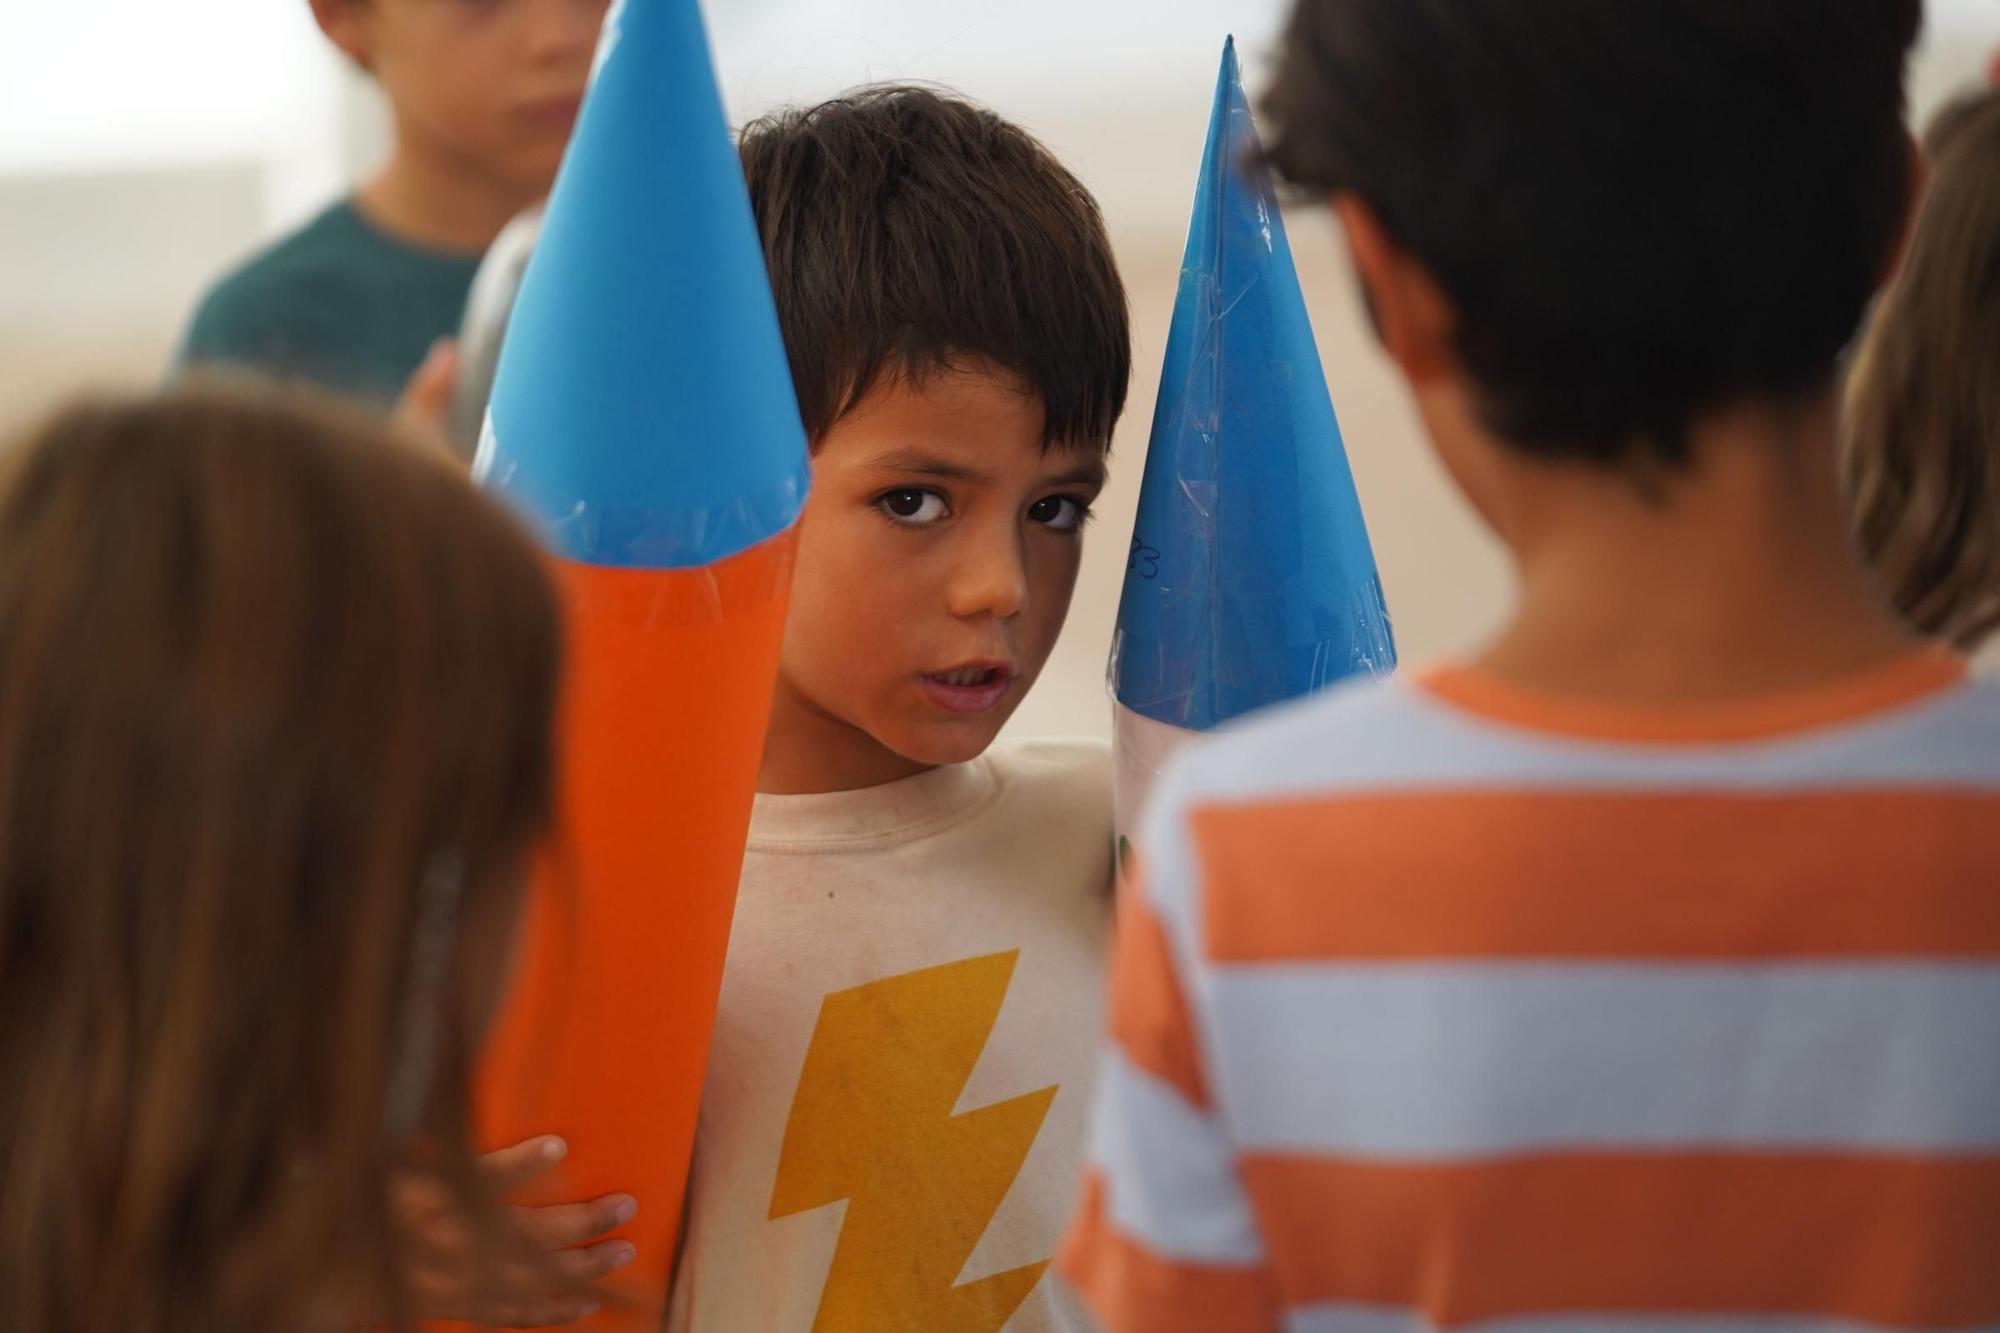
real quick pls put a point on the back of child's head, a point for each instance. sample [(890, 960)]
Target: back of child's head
[(908, 232), (1641, 212), (1923, 425), (275, 700)]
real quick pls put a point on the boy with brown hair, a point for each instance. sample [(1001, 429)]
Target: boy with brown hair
[(895, 1107), (483, 94), (1641, 972)]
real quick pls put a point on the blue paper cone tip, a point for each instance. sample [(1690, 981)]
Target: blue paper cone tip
[(1250, 580), (643, 412)]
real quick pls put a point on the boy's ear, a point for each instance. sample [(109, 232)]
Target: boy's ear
[(349, 25), (1413, 317)]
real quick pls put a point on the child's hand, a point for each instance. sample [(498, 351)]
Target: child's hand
[(451, 1277), (424, 409)]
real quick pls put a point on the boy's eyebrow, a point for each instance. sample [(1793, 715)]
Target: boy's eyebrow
[(929, 465), (1090, 472)]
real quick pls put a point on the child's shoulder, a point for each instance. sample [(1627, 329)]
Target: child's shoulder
[(335, 303), (272, 280), (1057, 786), (300, 306), (1418, 733), (1054, 813), (1345, 732), (1072, 772)]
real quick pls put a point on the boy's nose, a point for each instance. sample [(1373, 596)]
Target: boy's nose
[(992, 581)]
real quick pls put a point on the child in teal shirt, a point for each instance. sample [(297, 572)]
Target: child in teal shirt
[(483, 97)]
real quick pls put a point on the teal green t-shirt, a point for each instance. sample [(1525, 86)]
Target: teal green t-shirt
[(339, 303)]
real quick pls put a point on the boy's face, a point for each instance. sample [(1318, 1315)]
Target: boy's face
[(496, 83), (936, 560)]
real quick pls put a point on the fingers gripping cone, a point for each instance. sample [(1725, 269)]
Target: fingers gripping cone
[(1250, 579), (643, 418)]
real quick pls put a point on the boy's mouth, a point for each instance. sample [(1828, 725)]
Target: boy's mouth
[(976, 687), (551, 113)]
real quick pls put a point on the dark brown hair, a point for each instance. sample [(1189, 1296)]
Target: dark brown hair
[(1642, 211), (1923, 421), (275, 708), (908, 232)]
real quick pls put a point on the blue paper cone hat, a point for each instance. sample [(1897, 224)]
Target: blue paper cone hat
[(1250, 580), (643, 412)]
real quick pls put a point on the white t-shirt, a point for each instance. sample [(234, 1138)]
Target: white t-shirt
[(894, 1118)]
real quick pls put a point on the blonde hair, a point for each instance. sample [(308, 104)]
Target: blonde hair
[(1922, 455)]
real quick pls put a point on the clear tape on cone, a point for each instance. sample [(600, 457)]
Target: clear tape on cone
[(640, 537)]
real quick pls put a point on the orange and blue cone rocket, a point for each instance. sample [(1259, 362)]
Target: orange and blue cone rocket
[(1251, 580), (643, 419)]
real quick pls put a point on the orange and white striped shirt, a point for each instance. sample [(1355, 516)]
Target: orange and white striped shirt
[(1446, 1006)]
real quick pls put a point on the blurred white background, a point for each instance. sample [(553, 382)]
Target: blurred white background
[(146, 145)]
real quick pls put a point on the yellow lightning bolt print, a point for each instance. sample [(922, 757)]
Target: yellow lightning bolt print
[(872, 1124)]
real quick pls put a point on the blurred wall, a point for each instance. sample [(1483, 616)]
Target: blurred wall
[(144, 145)]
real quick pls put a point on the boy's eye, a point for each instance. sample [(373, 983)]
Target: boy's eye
[(913, 507), (1063, 513)]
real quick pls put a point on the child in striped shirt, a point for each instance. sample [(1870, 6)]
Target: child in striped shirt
[(1642, 972)]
